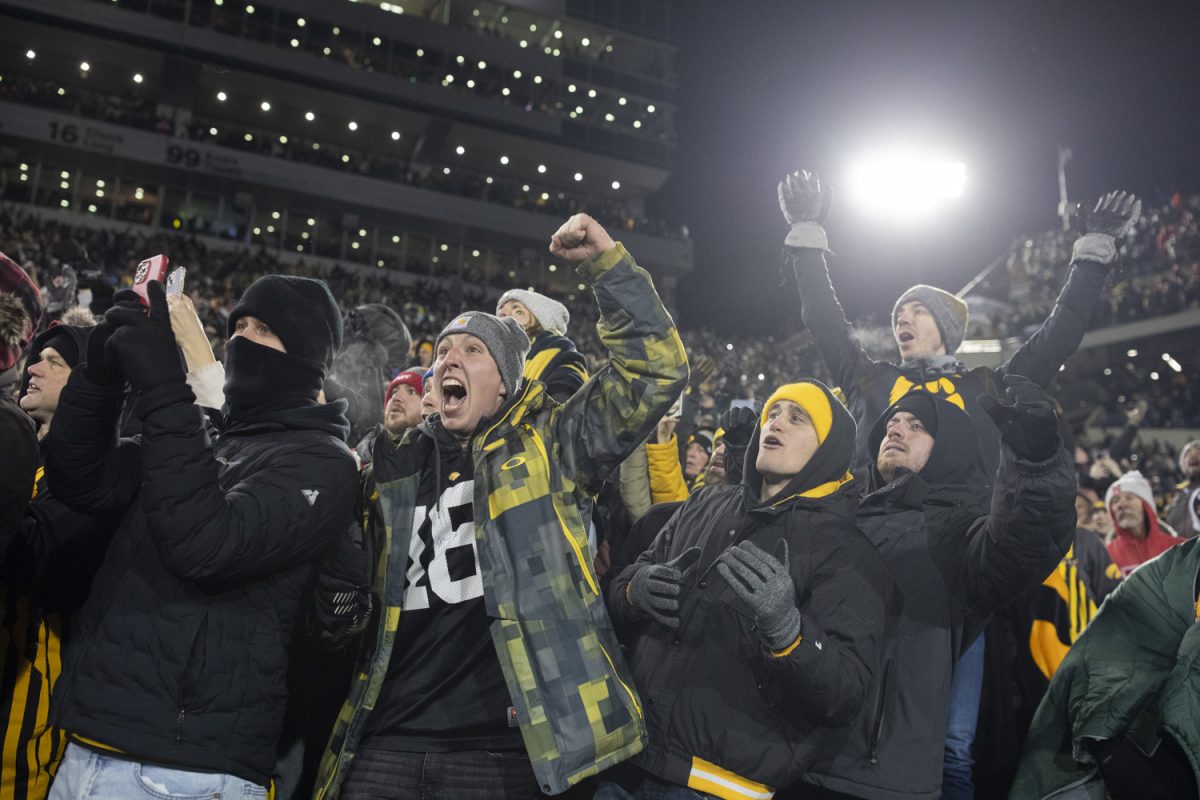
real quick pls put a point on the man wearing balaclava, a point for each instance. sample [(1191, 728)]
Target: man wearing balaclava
[(954, 563), (177, 679), (754, 621), (493, 670)]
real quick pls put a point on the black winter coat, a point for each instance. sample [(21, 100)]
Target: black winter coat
[(715, 696), (180, 653), (954, 564)]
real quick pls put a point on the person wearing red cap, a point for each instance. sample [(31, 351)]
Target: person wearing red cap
[(401, 411), (402, 402)]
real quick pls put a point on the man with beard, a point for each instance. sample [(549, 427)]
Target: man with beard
[(954, 563), (928, 324), (176, 681)]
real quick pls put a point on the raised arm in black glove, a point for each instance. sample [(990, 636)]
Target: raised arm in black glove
[(654, 588), (102, 367), (143, 343), (738, 425), (1027, 421), (1113, 217), (805, 205)]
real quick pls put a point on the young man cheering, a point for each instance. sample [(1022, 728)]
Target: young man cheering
[(492, 669)]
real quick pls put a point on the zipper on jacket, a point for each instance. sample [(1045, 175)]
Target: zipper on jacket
[(880, 706), (184, 701)]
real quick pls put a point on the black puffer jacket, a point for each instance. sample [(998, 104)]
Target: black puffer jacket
[(717, 701), (180, 656), (953, 565)]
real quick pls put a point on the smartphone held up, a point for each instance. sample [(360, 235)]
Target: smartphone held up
[(155, 269)]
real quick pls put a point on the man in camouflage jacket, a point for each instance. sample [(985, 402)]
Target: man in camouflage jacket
[(503, 472)]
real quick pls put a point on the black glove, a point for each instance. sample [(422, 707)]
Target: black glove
[(102, 367), (342, 595), (1115, 214), (764, 581), (805, 205), (143, 343), (1027, 422), (654, 588), (738, 424), (1113, 217)]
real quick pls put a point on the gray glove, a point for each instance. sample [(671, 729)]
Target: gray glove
[(805, 205), (1113, 217), (655, 587), (765, 583)]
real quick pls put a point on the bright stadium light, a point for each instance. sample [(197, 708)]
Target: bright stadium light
[(905, 185)]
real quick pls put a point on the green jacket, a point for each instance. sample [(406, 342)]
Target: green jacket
[(535, 468), (1135, 672)]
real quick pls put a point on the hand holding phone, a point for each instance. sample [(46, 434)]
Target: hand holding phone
[(175, 281), (152, 269)]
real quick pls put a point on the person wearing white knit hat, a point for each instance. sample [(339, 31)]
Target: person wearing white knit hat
[(1139, 532), (552, 358), (1184, 512)]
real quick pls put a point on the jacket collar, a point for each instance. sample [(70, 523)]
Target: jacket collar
[(526, 403)]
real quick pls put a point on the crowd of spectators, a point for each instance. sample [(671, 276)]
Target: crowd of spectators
[(1159, 274), (727, 366)]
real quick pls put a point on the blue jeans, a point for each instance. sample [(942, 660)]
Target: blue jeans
[(461, 775), (649, 789), (960, 733), (88, 775)]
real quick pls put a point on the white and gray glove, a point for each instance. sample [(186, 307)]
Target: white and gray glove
[(1113, 217), (805, 205)]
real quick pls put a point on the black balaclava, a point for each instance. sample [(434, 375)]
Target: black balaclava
[(260, 380)]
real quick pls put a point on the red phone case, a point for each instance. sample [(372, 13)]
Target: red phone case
[(152, 269)]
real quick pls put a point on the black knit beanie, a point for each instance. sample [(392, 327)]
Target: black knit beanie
[(301, 312), (920, 405)]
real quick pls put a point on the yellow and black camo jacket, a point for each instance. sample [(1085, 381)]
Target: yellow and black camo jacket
[(535, 467)]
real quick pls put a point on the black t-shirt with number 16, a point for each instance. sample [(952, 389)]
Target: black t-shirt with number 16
[(444, 690)]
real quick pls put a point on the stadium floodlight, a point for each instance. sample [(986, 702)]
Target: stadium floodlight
[(904, 184)]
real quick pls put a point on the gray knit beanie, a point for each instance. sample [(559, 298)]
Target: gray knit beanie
[(550, 314), (949, 313), (504, 339)]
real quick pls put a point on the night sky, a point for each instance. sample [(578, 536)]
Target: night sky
[(767, 87)]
